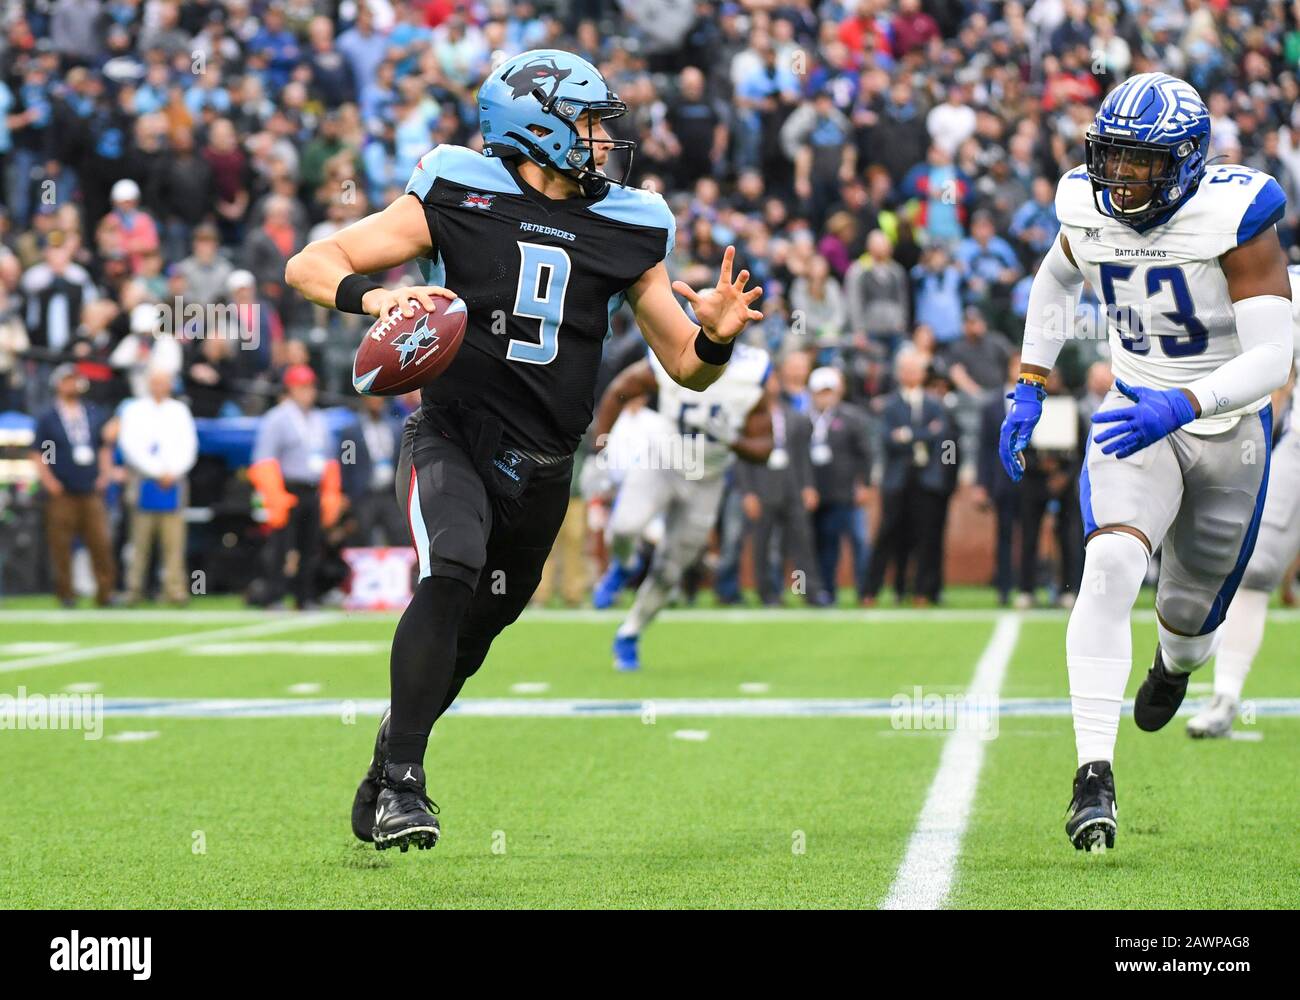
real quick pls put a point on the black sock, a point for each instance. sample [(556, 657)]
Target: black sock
[(423, 664)]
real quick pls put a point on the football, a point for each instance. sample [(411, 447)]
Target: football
[(401, 353)]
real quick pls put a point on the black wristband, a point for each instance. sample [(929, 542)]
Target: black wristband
[(347, 297), (710, 351)]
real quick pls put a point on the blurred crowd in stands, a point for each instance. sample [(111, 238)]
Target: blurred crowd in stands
[(886, 169)]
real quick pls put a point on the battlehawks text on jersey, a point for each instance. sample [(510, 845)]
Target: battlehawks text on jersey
[(716, 415), (1170, 314), (540, 278)]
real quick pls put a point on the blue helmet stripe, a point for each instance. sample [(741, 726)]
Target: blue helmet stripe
[(1129, 89), (1144, 91), (1142, 85)]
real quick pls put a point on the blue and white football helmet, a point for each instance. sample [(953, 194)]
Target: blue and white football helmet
[(550, 89), (1151, 129)]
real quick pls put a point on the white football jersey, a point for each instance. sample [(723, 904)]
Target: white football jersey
[(713, 419), (1170, 318)]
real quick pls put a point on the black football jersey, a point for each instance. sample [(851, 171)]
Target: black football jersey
[(540, 278)]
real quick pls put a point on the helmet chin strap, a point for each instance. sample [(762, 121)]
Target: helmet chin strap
[(590, 182)]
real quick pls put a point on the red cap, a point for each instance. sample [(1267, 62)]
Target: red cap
[(299, 375)]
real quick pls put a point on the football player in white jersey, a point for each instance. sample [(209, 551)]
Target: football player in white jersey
[(1187, 260), (1276, 548), (704, 431)]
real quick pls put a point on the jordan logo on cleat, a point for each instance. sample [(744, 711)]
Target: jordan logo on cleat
[(1090, 773), (408, 776)]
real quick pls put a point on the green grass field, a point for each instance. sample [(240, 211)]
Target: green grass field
[(565, 784)]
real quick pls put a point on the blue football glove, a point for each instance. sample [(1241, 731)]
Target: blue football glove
[(1158, 412), (1026, 408)]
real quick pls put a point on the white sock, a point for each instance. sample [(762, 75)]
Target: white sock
[(1243, 632), (1096, 699), (1099, 641), (651, 596), (1184, 653)]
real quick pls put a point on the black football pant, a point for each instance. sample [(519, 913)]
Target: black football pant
[(481, 556)]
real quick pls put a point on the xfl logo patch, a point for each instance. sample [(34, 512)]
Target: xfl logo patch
[(417, 346), (483, 201)]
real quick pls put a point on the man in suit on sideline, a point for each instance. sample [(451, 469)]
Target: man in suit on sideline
[(995, 489), (919, 445), (780, 497), (841, 460)]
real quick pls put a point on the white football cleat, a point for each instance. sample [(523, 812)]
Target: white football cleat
[(1214, 721)]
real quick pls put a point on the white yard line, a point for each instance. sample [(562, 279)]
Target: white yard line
[(611, 708), (289, 647), (791, 616), (925, 877), (866, 616), (140, 616), (275, 625), (558, 616), (33, 648)]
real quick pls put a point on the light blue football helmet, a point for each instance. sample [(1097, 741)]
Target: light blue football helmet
[(1155, 120), (550, 89)]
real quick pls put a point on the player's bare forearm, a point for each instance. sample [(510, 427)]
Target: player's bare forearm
[(634, 380), (316, 270), (723, 313), (669, 331), (376, 243)]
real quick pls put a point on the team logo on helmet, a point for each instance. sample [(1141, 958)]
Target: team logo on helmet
[(530, 76)]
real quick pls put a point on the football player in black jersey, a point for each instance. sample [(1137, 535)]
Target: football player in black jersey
[(542, 246)]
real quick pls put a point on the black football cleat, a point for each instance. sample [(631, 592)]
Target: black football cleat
[(404, 814), (363, 803), (1092, 825), (1159, 696)]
